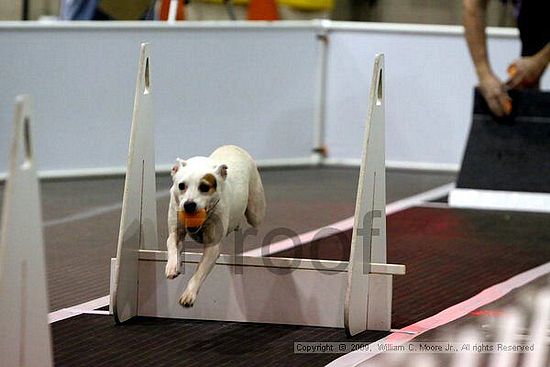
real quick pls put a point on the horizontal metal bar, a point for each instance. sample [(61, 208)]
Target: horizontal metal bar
[(312, 25)]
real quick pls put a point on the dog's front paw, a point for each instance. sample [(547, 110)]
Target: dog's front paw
[(172, 269), (188, 297)]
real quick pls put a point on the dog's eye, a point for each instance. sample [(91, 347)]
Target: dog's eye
[(204, 188), (182, 186)]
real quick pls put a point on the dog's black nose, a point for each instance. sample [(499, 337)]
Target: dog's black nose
[(190, 207)]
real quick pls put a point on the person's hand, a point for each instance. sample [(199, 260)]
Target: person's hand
[(525, 72), (495, 95)]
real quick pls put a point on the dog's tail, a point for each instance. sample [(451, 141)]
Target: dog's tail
[(255, 209)]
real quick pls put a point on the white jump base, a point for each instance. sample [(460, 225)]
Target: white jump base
[(355, 295), (295, 284)]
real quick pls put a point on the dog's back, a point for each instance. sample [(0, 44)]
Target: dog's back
[(244, 181)]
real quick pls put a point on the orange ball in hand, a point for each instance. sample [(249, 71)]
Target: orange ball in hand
[(512, 70), (192, 220), (507, 105)]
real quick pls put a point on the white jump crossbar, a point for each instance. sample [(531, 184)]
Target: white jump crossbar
[(355, 294), (277, 262), (24, 330)]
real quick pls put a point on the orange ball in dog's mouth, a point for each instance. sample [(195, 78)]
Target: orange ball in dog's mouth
[(192, 220)]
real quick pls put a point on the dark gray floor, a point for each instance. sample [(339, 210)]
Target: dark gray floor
[(450, 254), (82, 217)]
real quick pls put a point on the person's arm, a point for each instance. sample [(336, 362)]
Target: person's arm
[(490, 85), (527, 71)]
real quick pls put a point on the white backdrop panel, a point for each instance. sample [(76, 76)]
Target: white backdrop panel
[(251, 86), (429, 86)]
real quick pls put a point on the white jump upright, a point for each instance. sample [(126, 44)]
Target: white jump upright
[(367, 289), (256, 289), (24, 329), (138, 223)]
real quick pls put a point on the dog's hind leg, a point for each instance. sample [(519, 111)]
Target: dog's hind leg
[(209, 257), (255, 208)]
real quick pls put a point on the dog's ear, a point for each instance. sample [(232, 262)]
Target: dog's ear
[(221, 170), (180, 163)]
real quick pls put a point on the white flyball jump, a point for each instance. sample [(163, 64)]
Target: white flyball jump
[(24, 329), (356, 295)]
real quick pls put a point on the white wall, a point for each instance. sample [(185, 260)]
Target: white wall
[(251, 86), (254, 85), (429, 89)]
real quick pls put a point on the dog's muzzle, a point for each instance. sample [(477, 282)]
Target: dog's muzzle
[(193, 206)]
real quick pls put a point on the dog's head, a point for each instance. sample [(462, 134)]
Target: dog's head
[(197, 183)]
